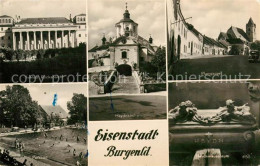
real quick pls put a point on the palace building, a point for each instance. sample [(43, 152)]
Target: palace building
[(127, 48), (42, 33)]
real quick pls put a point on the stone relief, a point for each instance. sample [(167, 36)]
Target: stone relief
[(186, 111)]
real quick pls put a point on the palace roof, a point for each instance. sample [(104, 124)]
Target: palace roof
[(5, 16), (48, 20), (81, 14)]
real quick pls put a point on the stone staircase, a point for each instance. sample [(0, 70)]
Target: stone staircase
[(126, 84)]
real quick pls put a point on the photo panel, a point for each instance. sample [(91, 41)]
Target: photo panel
[(44, 41), (214, 39), (127, 60), (214, 122), (43, 124)]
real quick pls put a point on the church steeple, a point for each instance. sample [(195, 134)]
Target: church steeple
[(126, 26), (251, 30), (126, 14)]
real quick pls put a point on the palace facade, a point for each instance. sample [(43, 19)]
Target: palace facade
[(42, 33)]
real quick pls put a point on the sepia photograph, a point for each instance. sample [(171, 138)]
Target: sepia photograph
[(214, 123), (43, 125), (127, 51), (214, 39), (45, 41)]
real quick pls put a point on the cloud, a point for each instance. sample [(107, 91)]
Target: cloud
[(42, 8), (212, 16), (103, 15)]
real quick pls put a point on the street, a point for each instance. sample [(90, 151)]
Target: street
[(225, 67)]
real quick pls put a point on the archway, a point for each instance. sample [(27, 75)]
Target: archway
[(179, 47), (124, 69)]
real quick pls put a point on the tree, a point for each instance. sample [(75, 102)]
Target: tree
[(159, 60), (255, 46), (234, 50), (77, 109), (18, 108)]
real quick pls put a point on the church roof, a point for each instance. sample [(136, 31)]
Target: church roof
[(58, 110), (97, 48), (138, 40), (47, 20), (222, 35), (234, 32)]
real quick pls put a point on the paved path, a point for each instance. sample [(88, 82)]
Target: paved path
[(126, 84)]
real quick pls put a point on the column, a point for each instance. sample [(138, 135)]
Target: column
[(69, 41), (28, 41), (62, 40), (41, 40), (56, 44), (21, 40), (34, 40), (49, 39), (14, 41), (72, 39)]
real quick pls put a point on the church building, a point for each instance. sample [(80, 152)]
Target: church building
[(238, 37), (127, 48)]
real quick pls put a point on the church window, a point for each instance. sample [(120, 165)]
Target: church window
[(124, 54), (127, 28), (79, 35)]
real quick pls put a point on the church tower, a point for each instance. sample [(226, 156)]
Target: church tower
[(126, 26), (250, 30)]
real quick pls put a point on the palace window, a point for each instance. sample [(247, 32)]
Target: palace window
[(79, 35), (124, 54), (0, 20)]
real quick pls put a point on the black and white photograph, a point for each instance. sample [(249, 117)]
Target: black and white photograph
[(43, 124), (127, 51), (214, 123), (43, 41), (127, 60), (216, 39)]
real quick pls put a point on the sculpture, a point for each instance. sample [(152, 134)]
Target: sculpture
[(186, 111)]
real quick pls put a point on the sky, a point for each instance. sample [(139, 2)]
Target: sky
[(44, 93), (104, 14), (212, 16), (42, 8)]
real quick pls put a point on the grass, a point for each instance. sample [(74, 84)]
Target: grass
[(127, 108)]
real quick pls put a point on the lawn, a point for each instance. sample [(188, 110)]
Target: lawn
[(136, 107)]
